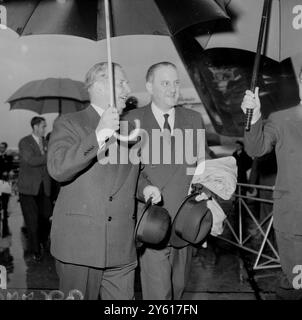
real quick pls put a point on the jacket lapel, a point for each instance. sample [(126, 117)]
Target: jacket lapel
[(34, 144)]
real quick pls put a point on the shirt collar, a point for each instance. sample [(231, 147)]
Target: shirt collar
[(98, 109), (156, 110), (159, 116), (37, 139)]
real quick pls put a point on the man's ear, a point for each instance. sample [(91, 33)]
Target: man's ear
[(149, 87), (98, 86)]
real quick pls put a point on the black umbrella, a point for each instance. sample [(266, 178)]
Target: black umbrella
[(128, 17), (49, 95), (93, 19)]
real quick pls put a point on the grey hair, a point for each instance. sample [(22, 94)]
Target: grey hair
[(97, 72), (154, 67)]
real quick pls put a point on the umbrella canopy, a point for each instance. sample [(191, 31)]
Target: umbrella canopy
[(50, 95), (284, 33), (128, 17)]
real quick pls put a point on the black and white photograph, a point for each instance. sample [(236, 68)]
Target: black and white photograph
[(150, 151)]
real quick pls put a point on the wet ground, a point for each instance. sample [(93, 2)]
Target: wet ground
[(219, 272)]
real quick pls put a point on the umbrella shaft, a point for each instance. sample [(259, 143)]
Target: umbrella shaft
[(265, 13), (264, 18), (109, 55)]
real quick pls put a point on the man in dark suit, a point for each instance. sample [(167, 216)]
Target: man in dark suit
[(34, 187), (282, 131), (92, 235), (164, 269), (244, 162)]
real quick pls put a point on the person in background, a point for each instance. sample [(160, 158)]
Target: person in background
[(34, 188), (282, 131), (5, 167), (244, 162)]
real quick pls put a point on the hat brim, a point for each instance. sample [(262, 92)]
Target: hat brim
[(153, 226), (204, 224), (139, 243)]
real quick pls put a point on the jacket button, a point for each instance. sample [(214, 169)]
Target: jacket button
[(110, 198), (109, 218)]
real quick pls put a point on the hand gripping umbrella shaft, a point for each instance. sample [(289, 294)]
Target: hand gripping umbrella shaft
[(135, 132), (265, 14)]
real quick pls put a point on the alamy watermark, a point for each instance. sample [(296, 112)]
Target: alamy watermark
[(3, 17), (184, 147), (297, 20), (297, 280), (51, 295)]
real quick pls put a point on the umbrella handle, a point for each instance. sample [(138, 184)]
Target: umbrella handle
[(265, 14), (132, 136)]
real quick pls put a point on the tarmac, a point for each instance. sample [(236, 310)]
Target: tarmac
[(220, 271)]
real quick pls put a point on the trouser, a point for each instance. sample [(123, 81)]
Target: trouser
[(4, 200), (164, 272), (36, 212), (114, 283)]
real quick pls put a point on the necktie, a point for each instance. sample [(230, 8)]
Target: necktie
[(166, 123)]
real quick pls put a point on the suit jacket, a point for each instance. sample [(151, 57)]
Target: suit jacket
[(33, 170), (282, 131), (172, 179), (93, 220)]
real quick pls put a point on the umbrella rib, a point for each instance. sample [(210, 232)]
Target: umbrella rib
[(279, 25), (160, 12), (25, 24)]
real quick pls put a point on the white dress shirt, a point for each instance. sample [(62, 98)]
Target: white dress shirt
[(37, 139), (159, 116), (101, 138)]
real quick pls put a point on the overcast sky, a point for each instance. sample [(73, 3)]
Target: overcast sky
[(30, 58)]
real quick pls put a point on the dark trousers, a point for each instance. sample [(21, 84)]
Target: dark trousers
[(36, 212), (165, 272), (114, 283), (4, 201)]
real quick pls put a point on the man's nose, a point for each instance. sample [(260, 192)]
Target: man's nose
[(173, 88), (127, 89)]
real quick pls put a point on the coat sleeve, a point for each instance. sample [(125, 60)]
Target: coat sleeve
[(261, 138), (28, 155), (69, 152)]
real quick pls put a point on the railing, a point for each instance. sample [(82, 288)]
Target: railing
[(271, 261)]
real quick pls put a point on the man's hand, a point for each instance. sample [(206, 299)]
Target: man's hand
[(153, 192), (252, 101), (108, 124)]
